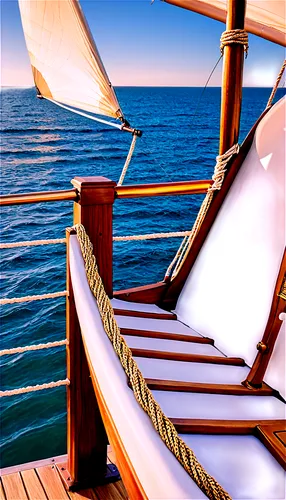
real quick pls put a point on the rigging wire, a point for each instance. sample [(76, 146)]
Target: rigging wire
[(195, 112), (206, 84)]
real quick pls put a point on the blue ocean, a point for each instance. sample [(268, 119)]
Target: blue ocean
[(43, 148)]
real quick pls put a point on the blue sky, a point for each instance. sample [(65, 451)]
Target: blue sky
[(144, 44)]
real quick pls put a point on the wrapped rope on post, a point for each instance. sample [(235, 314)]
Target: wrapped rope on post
[(143, 395), (238, 36)]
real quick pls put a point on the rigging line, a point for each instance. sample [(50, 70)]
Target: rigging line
[(197, 106), (206, 84), (81, 113)]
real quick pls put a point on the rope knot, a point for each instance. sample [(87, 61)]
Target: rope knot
[(221, 162), (234, 36)]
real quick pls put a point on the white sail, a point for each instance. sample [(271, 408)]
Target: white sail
[(265, 18), (65, 62)]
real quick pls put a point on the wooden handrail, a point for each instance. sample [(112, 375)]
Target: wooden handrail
[(128, 191), (163, 189), (39, 197)]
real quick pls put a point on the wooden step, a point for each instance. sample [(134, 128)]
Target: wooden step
[(273, 438), (181, 356), (203, 426), (230, 389), (166, 336), (143, 314)]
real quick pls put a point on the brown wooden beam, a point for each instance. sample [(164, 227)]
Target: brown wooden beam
[(181, 356), (231, 92), (94, 211), (227, 427), (143, 314), (147, 294), (38, 197), (195, 387), (273, 326), (163, 189), (87, 440), (166, 336)]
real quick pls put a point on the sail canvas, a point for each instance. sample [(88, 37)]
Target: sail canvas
[(65, 62)]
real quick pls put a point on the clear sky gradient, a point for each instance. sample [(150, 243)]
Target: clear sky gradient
[(144, 44)]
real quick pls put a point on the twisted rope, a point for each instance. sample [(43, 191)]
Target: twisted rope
[(32, 243), (128, 160), (272, 95), (34, 388), (218, 177), (153, 236), (35, 347), (142, 393), (31, 298), (234, 36)]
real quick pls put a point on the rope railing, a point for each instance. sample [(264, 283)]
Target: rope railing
[(149, 236), (34, 388), (31, 298), (32, 243), (34, 347), (152, 236)]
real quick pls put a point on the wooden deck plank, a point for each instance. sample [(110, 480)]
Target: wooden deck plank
[(112, 491), (33, 485), (52, 483), (143, 314), (2, 494), (13, 487)]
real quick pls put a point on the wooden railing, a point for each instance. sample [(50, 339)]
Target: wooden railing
[(93, 199)]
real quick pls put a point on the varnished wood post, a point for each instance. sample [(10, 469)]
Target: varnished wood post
[(267, 344), (86, 436), (94, 211), (231, 95)]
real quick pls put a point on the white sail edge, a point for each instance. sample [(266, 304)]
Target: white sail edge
[(65, 61), (265, 18), (81, 113)]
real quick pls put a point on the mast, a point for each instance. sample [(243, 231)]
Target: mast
[(231, 94)]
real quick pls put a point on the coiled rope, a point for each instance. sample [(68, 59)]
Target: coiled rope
[(234, 36), (280, 74), (218, 177), (142, 393)]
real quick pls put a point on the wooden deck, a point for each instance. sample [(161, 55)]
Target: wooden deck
[(43, 482)]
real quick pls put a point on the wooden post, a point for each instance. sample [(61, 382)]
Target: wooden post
[(94, 211), (86, 436), (231, 95)]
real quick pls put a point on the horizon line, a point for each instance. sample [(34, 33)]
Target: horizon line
[(153, 86)]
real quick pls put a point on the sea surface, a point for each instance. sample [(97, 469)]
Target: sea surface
[(43, 148)]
